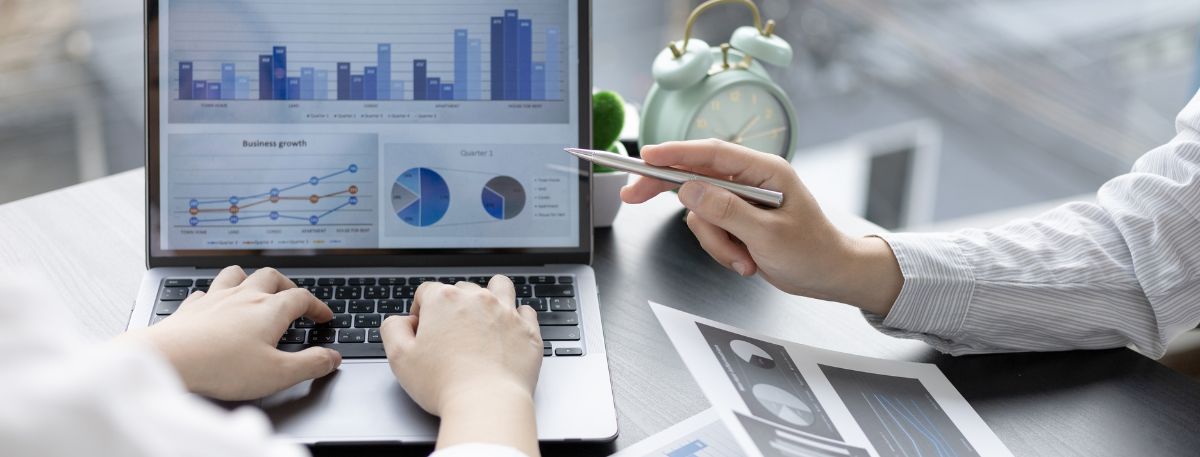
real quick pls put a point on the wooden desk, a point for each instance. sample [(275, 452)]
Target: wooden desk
[(89, 240)]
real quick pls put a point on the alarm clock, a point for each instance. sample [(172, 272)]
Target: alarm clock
[(722, 92)]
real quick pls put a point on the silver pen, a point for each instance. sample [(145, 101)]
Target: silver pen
[(752, 194)]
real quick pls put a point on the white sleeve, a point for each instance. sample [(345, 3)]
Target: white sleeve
[(1122, 271), (63, 397), (478, 450)]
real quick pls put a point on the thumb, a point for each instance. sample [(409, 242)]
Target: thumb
[(722, 208), (310, 363)]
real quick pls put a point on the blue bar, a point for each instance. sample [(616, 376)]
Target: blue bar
[(397, 90), (474, 73), (280, 73), (370, 83), (420, 85), (553, 66), (308, 80), (199, 90), (228, 81), (185, 80), (433, 88), (539, 81), (242, 89), (293, 88), (343, 81), (356, 87), (461, 83), (321, 85), (214, 91), (266, 78), (525, 59), (384, 78), (497, 58), (511, 22), (447, 91)]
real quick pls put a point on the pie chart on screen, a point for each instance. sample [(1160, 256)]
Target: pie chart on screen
[(503, 198), (784, 405), (752, 354), (420, 197)]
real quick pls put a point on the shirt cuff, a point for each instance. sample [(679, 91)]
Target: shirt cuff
[(938, 284), (478, 450)]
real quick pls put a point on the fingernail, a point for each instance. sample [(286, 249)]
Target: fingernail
[(691, 193), (740, 268)]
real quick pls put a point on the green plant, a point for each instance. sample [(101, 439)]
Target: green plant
[(608, 119)]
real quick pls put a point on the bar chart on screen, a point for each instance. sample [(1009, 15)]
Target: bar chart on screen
[(258, 61)]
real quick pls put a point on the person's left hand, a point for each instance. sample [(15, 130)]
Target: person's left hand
[(222, 342)]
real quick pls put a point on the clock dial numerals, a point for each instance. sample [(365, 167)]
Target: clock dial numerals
[(745, 114)]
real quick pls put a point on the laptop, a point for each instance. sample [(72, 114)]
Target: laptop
[(363, 149)]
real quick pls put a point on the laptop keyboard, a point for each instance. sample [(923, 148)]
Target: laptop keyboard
[(361, 303)]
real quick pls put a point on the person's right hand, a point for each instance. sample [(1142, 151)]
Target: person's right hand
[(794, 247), (471, 356)]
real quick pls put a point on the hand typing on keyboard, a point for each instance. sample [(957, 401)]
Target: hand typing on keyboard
[(469, 355), (222, 342)]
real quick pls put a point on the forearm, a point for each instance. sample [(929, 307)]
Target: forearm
[(499, 415)]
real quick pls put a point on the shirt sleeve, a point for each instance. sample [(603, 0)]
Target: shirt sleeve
[(478, 450), (64, 397), (1124, 271)]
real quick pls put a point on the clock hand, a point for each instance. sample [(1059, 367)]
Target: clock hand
[(765, 133), (739, 137)]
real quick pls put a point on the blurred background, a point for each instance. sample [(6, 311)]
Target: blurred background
[(919, 114)]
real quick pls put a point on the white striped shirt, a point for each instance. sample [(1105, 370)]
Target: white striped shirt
[(1124, 271)]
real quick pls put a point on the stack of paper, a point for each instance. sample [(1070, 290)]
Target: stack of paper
[(780, 399)]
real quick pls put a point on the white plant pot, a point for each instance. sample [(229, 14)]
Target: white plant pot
[(606, 197)]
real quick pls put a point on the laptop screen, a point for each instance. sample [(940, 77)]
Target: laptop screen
[(310, 125)]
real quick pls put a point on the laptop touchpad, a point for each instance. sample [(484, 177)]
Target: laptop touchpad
[(360, 402)]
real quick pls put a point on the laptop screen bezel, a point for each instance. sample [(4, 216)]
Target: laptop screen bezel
[(157, 257)]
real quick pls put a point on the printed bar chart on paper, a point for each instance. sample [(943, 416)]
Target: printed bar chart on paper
[(466, 51)]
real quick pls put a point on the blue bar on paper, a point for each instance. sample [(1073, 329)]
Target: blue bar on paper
[(242, 89), (689, 449), (228, 81), (461, 82), (539, 81), (433, 89), (370, 83), (321, 85), (199, 90), (525, 59), (280, 72), (511, 23), (293, 88), (356, 87), (185, 80), (384, 76), (553, 66), (266, 78), (214, 91), (420, 84), (447, 92), (397, 91), (497, 58), (308, 80), (343, 81), (474, 73)]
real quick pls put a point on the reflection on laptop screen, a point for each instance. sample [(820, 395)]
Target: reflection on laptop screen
[(314, 124)]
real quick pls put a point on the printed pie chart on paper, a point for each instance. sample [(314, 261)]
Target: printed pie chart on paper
[(784, 405)]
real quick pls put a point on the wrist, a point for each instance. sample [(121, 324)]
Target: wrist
[(500, 413), (864, 273)]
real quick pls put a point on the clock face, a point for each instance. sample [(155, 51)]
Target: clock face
[(745, 114)]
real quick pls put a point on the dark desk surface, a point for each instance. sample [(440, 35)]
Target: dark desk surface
[(1099, 403)]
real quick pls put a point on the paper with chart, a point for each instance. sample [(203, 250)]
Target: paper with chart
[(702, 435), (782, 399)]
